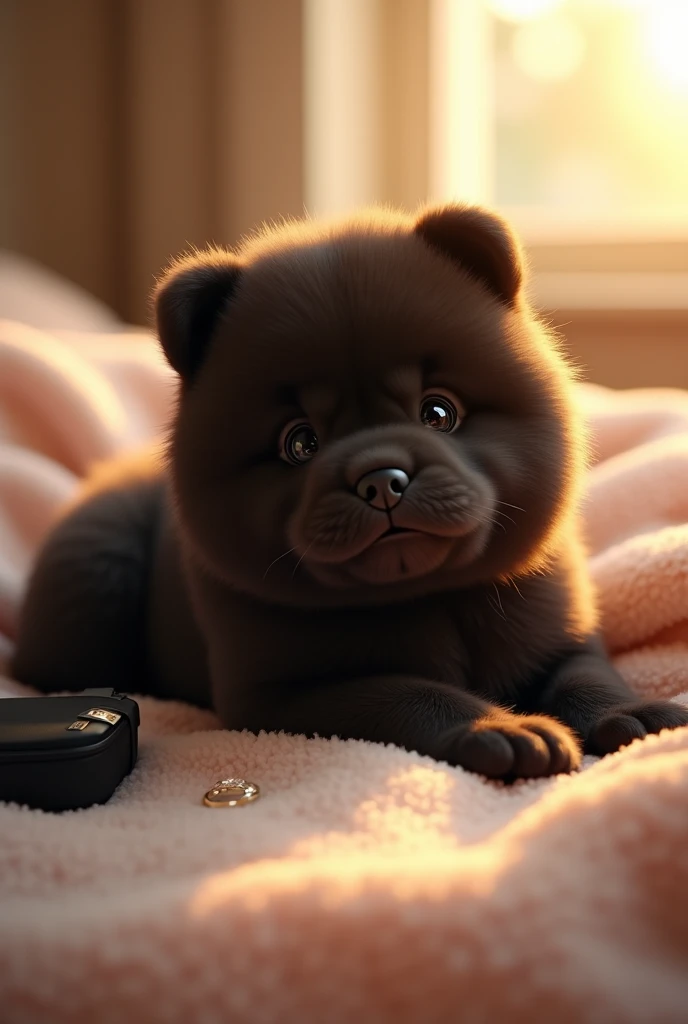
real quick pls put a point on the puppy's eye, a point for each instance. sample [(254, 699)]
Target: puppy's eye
[(298, 443), (440, 412)]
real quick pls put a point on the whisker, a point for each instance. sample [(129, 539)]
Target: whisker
[(488, 519), (513, 584), (498, 511), (517, 507), (301, 559), (277, 560), (492, 605), (499, 598)]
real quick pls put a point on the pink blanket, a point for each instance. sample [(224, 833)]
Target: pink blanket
[(366, 883)]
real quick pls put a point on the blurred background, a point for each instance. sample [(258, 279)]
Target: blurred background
[(131, 129)]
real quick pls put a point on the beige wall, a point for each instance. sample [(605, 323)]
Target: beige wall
[(63, 203), (135, 128)]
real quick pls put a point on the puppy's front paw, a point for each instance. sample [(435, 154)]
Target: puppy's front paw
[(632, 722), (513, 747)]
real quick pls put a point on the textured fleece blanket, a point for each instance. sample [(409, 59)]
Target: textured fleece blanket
[(366, 883)]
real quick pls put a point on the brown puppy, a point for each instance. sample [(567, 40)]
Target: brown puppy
[(374, 473)]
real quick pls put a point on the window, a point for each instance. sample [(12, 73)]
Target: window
[(570, 116), (590, 107)]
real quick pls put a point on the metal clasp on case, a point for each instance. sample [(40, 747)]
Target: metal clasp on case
[(102, 715)]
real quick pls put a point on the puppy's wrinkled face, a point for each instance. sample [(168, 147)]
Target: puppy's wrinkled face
[(367, 413)]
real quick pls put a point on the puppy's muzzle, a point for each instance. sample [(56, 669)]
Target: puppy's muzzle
[(383, 488)]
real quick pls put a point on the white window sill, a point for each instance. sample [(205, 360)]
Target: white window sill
[(599, 290)]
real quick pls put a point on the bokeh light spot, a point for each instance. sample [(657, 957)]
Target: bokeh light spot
[(550, 49)]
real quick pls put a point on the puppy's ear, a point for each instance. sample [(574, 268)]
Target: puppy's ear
[(189, 300), (480, 242)]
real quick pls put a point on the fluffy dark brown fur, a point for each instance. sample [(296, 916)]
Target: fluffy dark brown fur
[(358, 564)]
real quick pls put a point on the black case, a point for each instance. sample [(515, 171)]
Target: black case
[(61, 753)]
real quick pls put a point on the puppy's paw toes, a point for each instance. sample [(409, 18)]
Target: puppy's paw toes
[(633, 722), (513, 747)]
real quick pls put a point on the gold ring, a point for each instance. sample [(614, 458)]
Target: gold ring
[(231, 793)]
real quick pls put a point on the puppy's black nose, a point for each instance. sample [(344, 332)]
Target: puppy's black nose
[(383, 488)]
